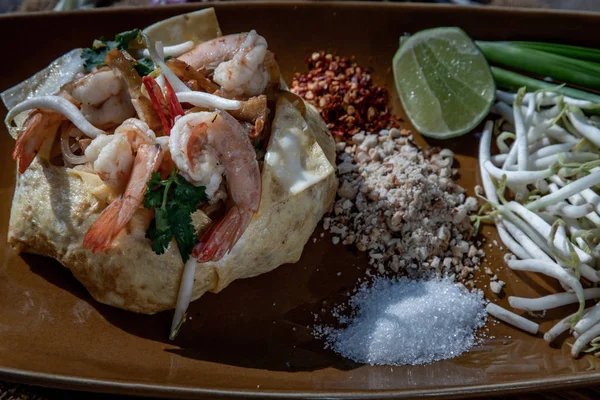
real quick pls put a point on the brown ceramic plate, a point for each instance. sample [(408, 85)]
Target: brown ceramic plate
[(254, 338)]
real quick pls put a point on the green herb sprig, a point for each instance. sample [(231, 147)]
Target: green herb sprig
[(94, 56), (144, 66), (174, 200)]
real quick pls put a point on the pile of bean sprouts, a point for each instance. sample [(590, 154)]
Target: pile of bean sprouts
[(549, 216)]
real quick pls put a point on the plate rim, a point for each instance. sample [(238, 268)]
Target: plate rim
[(69, 382), (58, 381)]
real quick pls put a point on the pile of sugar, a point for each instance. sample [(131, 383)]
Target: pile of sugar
[(402, 206), (408, 322)]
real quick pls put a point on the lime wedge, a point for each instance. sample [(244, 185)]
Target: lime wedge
[(444, 82)]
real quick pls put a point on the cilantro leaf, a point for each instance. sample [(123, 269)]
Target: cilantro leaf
[(144, 66), (94, 57), (162, 219), (189, 196), (124, 39), (153, 197), (174, 200), (160, 238), (182, 229), (91, 58), (155, 180)]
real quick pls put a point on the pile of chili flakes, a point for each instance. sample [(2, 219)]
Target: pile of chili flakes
[(345, 95)]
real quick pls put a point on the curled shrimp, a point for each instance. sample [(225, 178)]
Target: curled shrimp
[(238, 61), (117, 215), (94, 100), (133, 83), (204, 145), (112, 156), (103, 98)]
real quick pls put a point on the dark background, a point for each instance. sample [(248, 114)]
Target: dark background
[(46, 5)]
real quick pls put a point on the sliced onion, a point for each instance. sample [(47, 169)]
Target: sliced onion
[(59, 105), (67, 153)]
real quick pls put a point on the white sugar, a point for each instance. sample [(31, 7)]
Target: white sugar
[(402, 321)]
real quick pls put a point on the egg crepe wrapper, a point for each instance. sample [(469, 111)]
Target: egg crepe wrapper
[(53, 207)]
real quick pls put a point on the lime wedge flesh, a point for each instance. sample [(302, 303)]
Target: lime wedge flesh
[(444, 82)]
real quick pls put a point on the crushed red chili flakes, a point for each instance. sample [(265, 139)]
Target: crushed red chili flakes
[(344, 94)]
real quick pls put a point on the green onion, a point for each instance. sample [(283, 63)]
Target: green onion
[(577, 52), (561, 68), (512, 81)]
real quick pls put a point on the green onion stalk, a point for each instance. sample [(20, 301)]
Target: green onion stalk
[(513, 81), (559, 67)]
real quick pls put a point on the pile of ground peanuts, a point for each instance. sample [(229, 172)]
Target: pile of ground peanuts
[(396, 202)]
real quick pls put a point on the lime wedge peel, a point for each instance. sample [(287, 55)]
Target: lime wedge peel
[(444, 82)]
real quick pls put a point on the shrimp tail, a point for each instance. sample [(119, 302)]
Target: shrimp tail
[(19, 153), (30, 142), (105, 229), (221, 238), (117, 215), (158, 102), (245, 218), (201, 250)]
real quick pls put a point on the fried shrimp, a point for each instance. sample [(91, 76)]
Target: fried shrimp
[(238, 62), (117, 215), (103, 98), (92, 101), (112, 156), (204, 146)]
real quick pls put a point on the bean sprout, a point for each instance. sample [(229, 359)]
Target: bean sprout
[(562, 326), (512, 318), (59, 105), (551, 301), (184, 296), (173, 51)]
